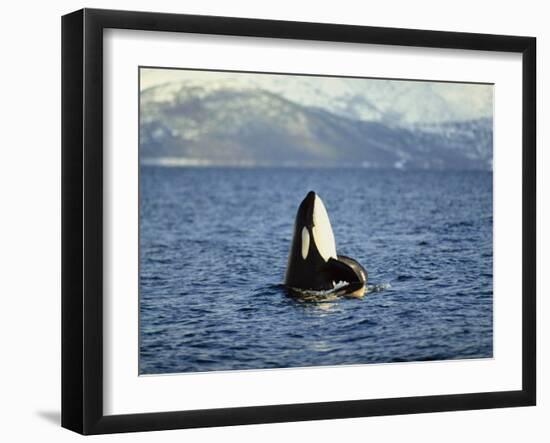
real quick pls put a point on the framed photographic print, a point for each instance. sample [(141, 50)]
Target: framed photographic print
[(269, 221)]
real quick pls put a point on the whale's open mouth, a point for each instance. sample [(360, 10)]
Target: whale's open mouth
[(337, 287), (340, 290)]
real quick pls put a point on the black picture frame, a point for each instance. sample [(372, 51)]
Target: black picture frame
[(82, 220)]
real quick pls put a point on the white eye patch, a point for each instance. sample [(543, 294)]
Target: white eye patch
[(305, 242)]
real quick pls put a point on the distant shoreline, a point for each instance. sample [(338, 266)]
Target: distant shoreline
[(176, 162)]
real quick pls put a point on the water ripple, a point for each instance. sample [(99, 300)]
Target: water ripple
[(213, 250)]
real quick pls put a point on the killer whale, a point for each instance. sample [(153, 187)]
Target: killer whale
[(313, 263)]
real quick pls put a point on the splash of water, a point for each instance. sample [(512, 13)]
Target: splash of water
[(378, 288), (334, 293)]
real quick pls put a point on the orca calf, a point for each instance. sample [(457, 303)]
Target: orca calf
[(313, 264)]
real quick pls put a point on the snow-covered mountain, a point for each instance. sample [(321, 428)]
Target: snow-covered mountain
[(291, 120), (392, 101)]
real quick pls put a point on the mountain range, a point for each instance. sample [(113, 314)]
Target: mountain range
[(405, 125)]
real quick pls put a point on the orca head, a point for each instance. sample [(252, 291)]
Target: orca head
[(313, 229), (313, 263)]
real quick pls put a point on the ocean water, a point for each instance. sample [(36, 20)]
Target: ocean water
[(213, 253)]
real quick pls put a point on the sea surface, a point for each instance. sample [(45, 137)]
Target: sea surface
[(213, 253)]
